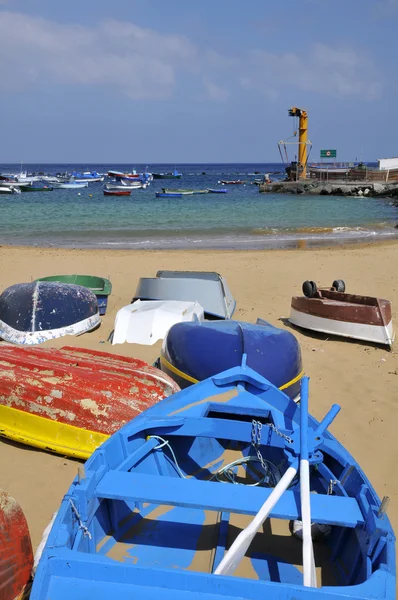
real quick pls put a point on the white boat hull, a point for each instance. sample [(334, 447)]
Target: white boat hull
[(360, 331), (149, 321)]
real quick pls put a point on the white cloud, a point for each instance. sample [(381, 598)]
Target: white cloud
[(215, 91), (139, 61), (144, 63), (336, 71)]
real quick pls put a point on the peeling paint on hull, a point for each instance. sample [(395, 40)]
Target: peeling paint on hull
[(87, 397)]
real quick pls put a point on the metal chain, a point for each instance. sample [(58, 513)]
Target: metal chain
[(257, 426), (256, 439), (332, 483)]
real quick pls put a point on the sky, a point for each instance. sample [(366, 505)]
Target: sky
[(151, 81)]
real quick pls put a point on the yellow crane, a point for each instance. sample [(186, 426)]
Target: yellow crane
[(303, 143)]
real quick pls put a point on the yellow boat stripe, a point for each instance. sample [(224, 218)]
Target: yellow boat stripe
[(292, 381), (47, 434), (176, 371)]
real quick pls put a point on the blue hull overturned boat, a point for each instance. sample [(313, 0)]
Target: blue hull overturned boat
[(195, 351), (163, 509), (32, 313)]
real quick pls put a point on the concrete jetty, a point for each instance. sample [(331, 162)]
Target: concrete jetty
[(336, 188)]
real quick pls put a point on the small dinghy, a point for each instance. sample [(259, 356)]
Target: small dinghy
[(207, 288), (217, 191), (70, 185), (330, 310), (100, 286), (32, 313), (164, 509), (69, 401), (172, 194), (116, 192), (192, 352), (148, 322)]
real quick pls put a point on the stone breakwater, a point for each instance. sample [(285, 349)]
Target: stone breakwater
[(338, 188)]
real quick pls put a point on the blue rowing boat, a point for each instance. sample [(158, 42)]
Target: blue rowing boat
[(164, 508), (194, 351), (217, 191)]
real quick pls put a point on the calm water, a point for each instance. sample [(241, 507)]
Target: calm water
[(242, 218)]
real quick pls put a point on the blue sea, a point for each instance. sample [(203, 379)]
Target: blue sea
[(241, 218)]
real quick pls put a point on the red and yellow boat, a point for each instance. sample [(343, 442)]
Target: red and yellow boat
[(69, 401)]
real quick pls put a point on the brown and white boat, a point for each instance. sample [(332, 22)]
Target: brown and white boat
[(337, 313)]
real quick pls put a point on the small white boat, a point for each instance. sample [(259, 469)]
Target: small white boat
[(11, 183), (348, 315), (70, 185), (149, 321), (131, 185), (9, 189)]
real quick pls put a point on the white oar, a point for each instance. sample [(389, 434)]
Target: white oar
[(240, 546), (309, 572)]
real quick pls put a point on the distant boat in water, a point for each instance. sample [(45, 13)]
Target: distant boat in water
[(70, 185), (88, 176), (117, 192), (174, 175), (179, 191), (173, 194), (235, 182)]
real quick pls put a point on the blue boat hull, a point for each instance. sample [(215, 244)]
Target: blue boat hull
[(194, 351), (156, 507)]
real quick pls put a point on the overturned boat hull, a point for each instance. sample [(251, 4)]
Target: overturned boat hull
[(69, 401), (193, 352), (32, 313), (207, 288), (348, 315)]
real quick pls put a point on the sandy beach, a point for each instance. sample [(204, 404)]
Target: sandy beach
[(360, 377)]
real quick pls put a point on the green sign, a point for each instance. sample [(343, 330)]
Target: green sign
[(328, 153)]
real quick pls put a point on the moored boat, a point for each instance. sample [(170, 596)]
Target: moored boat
[(331, 311), (88, 176), (70, 185), (32, 313), (126, 184), (172, 194), (177, 191), (100, 286), (192, 352), (70, 400), (235, 182), (164, 509), (34, 187), (217, 191), (171, 175), (116, 192), (9, 189)]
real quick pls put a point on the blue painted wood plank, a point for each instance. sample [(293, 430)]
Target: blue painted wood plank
[(116, 485)]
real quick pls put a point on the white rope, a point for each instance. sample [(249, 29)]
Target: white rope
[(166, 443)]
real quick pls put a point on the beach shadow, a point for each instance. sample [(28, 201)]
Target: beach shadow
[(27, 447)]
